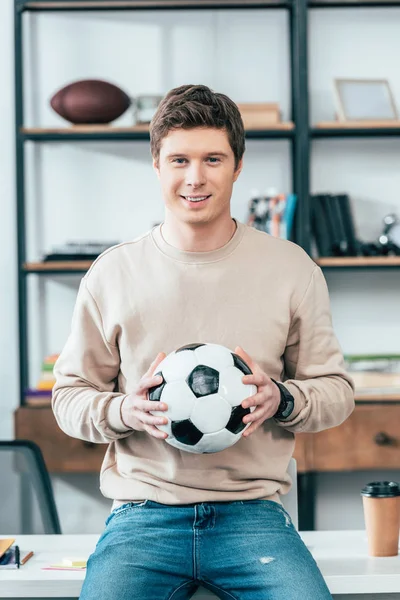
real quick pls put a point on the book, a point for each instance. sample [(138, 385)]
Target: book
[(348, 224), (5, 544), (320, 225)]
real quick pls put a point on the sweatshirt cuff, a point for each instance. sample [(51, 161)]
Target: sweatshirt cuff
[(298, 403), (114, 418)]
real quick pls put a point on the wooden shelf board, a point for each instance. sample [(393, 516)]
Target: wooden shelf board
[(357, 125), (377, 398), (83, 130), (161, 4), (78, 265), (359, 261)]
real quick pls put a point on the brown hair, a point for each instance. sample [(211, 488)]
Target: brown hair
[(190, 106)]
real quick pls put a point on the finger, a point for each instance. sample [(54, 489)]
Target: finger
[(257, 378), (259, 398), (151, 405), (148, 382), (253, 427), (157, 433), (151, 370), (148, 419)]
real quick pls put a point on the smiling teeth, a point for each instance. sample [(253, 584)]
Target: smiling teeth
[(195, 199)]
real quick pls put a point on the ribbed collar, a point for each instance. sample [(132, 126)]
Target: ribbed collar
[(198, 257)]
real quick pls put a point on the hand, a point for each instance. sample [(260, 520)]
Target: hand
[(136, 407), (267, 398)]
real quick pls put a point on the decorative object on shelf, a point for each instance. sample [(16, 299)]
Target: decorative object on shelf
[(374, 374), (90, 101), (259, 115), (145, 106), (272, 213), (364, 100), (391, 231), (78, 251)]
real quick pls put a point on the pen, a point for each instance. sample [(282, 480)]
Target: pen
[(17, 556), (26, 558)]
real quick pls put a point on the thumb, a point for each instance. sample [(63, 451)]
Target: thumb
[(246, 357), (160, 357)]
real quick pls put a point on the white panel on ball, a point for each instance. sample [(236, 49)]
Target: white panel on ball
[(177, 365), (211, 413), (216, 442), (232, 388), (179, 399), (214, 355)]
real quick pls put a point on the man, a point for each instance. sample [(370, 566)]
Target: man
[(181, 519)]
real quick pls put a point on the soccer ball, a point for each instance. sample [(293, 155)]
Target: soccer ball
[(203, 389)]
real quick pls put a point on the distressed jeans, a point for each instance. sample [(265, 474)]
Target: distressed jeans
[(239, 550)]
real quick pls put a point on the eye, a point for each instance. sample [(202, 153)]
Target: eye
[(179, 161), (213, 160)]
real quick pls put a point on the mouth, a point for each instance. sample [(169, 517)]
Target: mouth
[(196, 200)]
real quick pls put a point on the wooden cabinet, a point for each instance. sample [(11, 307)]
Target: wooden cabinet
[(62, 453), (368, 439)]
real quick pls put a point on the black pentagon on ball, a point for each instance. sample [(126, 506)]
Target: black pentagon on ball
[(241, 365), (235, 423), (156, 391), (189, 347), (203, 381), (186, 432)]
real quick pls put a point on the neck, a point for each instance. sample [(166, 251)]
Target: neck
[(197, 237)]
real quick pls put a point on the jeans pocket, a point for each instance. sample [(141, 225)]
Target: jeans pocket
[(123, 509)]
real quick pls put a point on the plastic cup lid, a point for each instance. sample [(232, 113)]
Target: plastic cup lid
[(381, 489)]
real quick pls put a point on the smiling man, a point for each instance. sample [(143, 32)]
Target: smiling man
[(180, 519)]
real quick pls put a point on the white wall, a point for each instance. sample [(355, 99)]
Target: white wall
[(108, 190)]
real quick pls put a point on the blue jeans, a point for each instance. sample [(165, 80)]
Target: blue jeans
[(239, 550)]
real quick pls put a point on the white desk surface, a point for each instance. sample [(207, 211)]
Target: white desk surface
[(341, 556)]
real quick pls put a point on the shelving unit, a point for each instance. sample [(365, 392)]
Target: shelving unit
[(295, 131), (299, 132)]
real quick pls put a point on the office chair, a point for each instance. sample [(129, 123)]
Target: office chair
[(26, 494)]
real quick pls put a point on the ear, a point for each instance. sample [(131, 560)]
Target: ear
[(238, 170), (156, 167)]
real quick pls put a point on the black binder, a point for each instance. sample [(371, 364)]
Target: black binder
[(320, 225), (348, 224)]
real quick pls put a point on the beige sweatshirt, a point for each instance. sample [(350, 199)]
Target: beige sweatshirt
[(144, 297)]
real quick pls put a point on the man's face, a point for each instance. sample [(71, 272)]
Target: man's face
[(196, 169)]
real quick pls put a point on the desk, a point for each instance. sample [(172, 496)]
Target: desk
[(341, 555)]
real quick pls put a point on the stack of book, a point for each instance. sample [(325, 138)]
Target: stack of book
[(11, 557), (85, 250), (41, 395), (333, 225)]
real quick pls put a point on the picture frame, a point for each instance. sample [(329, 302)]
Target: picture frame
[(364, 100)]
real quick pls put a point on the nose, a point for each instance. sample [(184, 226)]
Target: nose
[(195, 175)]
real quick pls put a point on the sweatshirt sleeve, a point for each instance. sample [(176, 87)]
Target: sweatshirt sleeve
[(84, 400), (314, 365)]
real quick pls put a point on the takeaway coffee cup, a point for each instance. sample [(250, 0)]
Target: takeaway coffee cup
[(381, 502)]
